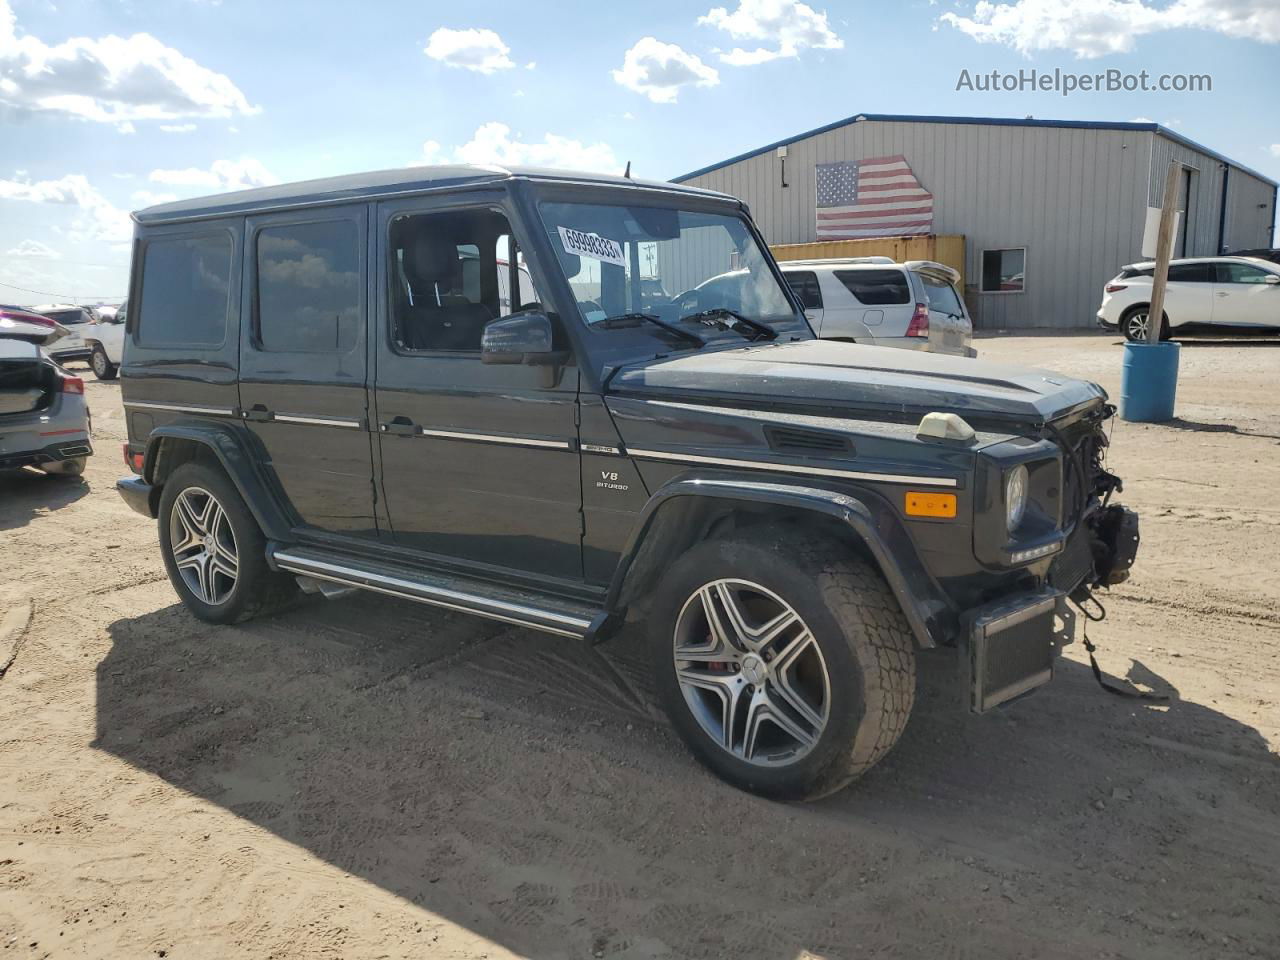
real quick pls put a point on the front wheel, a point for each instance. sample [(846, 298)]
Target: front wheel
[(213, 550), (784, 661), (1136, 325), (102, 367)]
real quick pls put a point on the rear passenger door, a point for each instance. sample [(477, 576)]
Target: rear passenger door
[(303, 363), (1189, 296), (884, 300)]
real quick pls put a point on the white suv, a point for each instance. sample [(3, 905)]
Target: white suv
[(1224, 294), (105, 340), (875, 300)]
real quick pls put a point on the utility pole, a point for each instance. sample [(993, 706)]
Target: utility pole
[(1164, 249)]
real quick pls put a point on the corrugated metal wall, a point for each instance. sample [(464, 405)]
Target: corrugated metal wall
[(1251, 212), (1074, 198)]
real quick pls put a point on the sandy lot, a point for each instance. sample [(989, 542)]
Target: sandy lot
[(371, 778)]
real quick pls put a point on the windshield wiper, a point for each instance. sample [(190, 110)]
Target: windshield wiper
[(626, 319), (761, 328)]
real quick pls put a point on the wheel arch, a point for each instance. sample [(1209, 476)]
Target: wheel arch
[(689, 510), (172, 445)]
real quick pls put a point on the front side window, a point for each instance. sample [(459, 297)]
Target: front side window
[(1004, 271), (1241, 273), (804, 284), (942, 295), (186, 290), (876, 288), (664, 262), (309, 287)]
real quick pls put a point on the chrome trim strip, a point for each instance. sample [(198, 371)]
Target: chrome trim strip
[(182, 408), (318, 421), (441, 596), (600, 448), (494, 438), (793, 468)]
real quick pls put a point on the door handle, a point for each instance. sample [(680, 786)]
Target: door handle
[(1224, 293), (258, 413), (400, 427)]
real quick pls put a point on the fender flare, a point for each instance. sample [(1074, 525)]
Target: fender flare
[(933, 618), (228, 444)]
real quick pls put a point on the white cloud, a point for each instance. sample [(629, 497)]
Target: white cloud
[(474, 49), (98, 218), (222, 175), (110, 79), (149, 198), (492, 143), (177, 127), (35, 250), (786, 26), (658, 70), (1274, 150), (1095, 28)]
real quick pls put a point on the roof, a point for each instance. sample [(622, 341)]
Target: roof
[(986, 121), (380, 183)]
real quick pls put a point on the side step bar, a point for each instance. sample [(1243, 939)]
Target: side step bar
[(562, 617)]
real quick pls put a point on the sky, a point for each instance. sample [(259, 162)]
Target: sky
[(110, 106)]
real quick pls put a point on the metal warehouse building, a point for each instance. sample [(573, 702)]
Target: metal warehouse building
[(1048, 210)]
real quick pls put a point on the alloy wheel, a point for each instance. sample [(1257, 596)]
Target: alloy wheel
[(99, 363), (1137, 326), (203, 545), (751, 672)]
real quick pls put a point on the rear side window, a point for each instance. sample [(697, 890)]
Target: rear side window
[(804, 283), (67, 317), (308, 297), (1191, 273), (942, 296), (876, 287), (186, 288)]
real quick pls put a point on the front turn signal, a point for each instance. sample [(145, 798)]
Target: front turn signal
[(930, 504)]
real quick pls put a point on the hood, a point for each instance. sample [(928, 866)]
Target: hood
[(822, 375), (15, 326)]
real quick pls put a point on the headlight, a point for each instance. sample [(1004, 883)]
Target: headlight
[(1015, 496)]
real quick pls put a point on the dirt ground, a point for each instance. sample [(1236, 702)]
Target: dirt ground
[(371, 778)]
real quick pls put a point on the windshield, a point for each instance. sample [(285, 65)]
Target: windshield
[(664, 262)]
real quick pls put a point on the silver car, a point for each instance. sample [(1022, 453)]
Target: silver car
[(44, 420)]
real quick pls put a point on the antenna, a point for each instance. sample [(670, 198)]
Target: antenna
[(627, 172)]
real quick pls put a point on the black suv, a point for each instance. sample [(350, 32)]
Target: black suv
[(456, 385)]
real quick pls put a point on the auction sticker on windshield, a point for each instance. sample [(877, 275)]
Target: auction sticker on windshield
[(591, 245)]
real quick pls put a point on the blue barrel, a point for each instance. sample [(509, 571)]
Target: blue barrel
[(1149, 382)]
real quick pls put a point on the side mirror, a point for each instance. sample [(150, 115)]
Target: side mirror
[(1272, 279), (520, 338)]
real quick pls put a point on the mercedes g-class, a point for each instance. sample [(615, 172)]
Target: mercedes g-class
[(325, 388)]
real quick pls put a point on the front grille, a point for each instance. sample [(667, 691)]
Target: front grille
[(1074, 565)]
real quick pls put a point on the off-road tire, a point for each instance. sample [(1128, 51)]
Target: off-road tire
[(864, 638), (103, 368), (258, 589)]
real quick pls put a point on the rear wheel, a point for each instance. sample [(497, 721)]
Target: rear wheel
[(1136, 325), (783, 661), (213, 550), (65, 468), (102, 367)]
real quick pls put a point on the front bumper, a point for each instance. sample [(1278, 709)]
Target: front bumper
[(136, 492)]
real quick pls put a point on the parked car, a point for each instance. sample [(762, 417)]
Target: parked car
[(1206, 295), (877, 301), (790, 519), (77, 321), (1262, 253), (105, 341), (44, 421)]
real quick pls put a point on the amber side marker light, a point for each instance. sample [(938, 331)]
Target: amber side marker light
[(930, 504)]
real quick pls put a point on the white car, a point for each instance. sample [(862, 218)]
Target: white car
[(77, 320), (105, 340), (877, 301), (1222, 294)]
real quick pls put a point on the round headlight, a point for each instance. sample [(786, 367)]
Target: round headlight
[(1015, 496)]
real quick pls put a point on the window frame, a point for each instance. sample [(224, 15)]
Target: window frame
[(358, 219), (135, 319), (982, 256)]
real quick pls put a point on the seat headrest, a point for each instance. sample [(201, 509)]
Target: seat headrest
[(430, 259)]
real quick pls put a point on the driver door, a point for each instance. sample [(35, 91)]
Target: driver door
[(479, 462)]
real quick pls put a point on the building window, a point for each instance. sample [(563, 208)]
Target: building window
[(309, 287), (1004, 271)]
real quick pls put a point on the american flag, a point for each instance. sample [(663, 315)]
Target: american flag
[(879, 197)]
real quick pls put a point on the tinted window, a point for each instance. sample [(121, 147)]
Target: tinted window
[(185, 291), (1241, 273), (805, 285), (309, 287), (942, 296), (67, 317), (876, 287), (1191, 273), (1128, 273), (1003, 271)]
